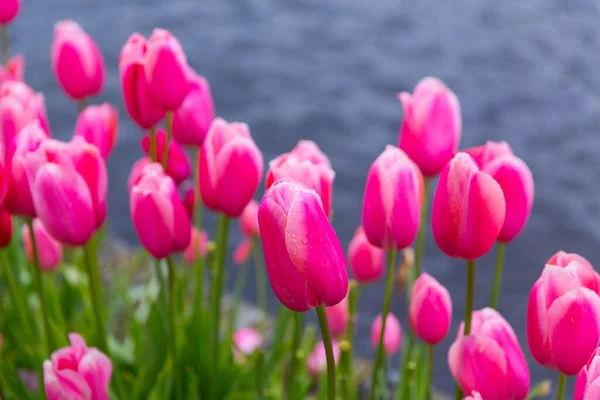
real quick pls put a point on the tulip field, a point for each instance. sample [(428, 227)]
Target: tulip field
[(161, 325)]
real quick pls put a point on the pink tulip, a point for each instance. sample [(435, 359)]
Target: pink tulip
[(249, 220), (562, 259), (468, 210), (136, 91), (242, 252), (166, 68), (317, 359), (187, 197), (49, 249), (9, 10), (178, 162), (430, 309), (158, 214), (14, 70), (5, 228), (139, 169), (77, 372), (304, 258), (432, 125), (485, 154), (76, 61), (366, 261), (337, 317), (98, 125), (193, 118), (247, 340), (473, 396), (392, 334), (198, 246), (231, 167), (392, 202), (305, 165), (588, 377)]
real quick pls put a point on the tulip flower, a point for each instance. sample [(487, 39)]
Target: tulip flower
[(485, 154), (242, 252), (305, 165), (77, 372), (230, 166), (98, 125), (5, 228), (139, 169), (49, 250), (247, 340), (249, 220), (430, 309), (432, 125), (337, 317), (198, 246), (317, 360), (76, 61), (392, 334), (366, 261), (587, 385), (474, 396), (9, 10), (195, 115), (14, 69), (178, 162)]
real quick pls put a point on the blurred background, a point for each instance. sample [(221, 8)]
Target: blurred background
[(329, 71)]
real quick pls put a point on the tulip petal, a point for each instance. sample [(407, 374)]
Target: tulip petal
[(96, 369)]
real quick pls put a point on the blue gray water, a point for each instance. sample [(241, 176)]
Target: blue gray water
[(524, 71)]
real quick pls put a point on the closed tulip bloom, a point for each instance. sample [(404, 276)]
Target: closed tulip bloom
[(488, 152), (563, 259), (194, 116), (136, 91), (76, 61), (247, 340), (317, 359), (139, 169), (303, 256), (178, 163), (249, 220), (366, 261), (337, 317), (165, 65), (99, 125), (430, 310), (198, 246), (392, 201), (5, 228), (77, 372), (392, 334), (49, 249), (188, 198), (158, 214), (9, 10), (231, 166), (14, 70), (432, 125), (242, 252), (588, 377), (468, 210)]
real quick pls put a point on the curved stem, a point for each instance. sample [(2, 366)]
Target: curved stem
[(152, 137), (93, 272), (562, 384), (470, 294), (426, 387), (169, 134), (384, 313), (328, 351), (5, 45), (297, 337), (198, 223), (261, 284), (497, 275), (172, 328)]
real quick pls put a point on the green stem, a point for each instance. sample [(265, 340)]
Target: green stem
[(345, 351), (470, 295), (562, 384), (426, 387), (81, 105), (173, 330), (169, 133), (261, 284), (238, 291), (384, 313), (403, 386), (152, 137), (353, 295), (198, 223), (498, 275), (93, 272), (19, 299), (295, 361), (5, 45), (258, 375), (328, 351)]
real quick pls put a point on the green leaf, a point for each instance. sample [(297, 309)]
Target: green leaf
[(11, 382)]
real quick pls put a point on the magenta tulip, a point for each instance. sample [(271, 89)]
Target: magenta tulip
[(317, 360), (178, 162), (231, 167), (99, 125), (139, 169), (432, 125), (366, 261), (195, 115), (485, 154), (392, 334), (5, 228), (198, 246), (242, 252), (9, 10), (14, 70), (588, 379), (304, 258), (430, 309), (392, 201), (337, 317), (49, 249), (249, 220), (247, 340)]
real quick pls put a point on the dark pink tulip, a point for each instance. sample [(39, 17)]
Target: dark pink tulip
[(588, 377), (392, 201), (187, 197), (99, 125), (158, 215), (5, 228), (242, 252), (136, 92), (198, 246), (77, 372), (49, 249), (317, 359), (249, 220), (468, 210), (485, 154), (14, 70), (430, 309), (366, 261), (195, 115), (247, 340), (231, 166), (178, 162), (304, 258), (9, 10), (166, 69), (76, 61), (305, 165), (337, 317), (392, 334), (432, 125)]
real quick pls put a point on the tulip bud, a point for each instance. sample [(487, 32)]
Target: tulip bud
[(9, 10), (337, 317), (485, 154), (392, 334), (230, 167), (242, 252), (392, 202), (187, 196), (249, 219), (468, 210), (178, 162), (430, 309), (588, 376), (5, 228), (317, 359), (303, 256), (247, 340), (14, 70), (76, 61), (49, 249), (139, 169), (194, 116), (366, 261), (98, 125), (198, 246)]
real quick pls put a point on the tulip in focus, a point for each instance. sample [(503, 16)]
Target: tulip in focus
[(468, 210), (242, 252), (247, 340), (49, 249), (588, 379), (366, 261), (198, 246), (392, 334), (99, 125), (485, 154), (195, 115), (77, 372), (178, 162), (5, 228), (9, 10), (337, 317), (317, 359), (14, 70), (430, 309), (304, 258)]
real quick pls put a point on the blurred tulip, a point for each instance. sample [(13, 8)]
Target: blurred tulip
[(139, 169), (242, 252), (474, 396), (231, 167), (77, 372), (392, 201), (195, 115), (14, 70), (485, 154), (430, 309), (247, 340), (317, 359), (432, 125), (187, 197), (468, 210), (178, 162), (49, 249), (366, 261), (99, 125), (304, 258), (249, 220), (9, 10), (5, 228), (337, 317), (392, 335), (198, 246), (76, 61), (588, 377)]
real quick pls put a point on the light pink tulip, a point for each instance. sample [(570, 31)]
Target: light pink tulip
[(139, 169), (178, 162), (14, 70), (432, 125), (99, 125), (76, 61), (366, 261), (305, 165), (337, 317), (468, 210), (195, 115), (392, 334), (392, 201), (231, 166), (5, 228), (49, 249), (249, 220), (317, 359), (9, 10), (304, 258), (488, 152), (430, 309), (247, 340), (77, 372), (198, 246), (563, 259), (588, 376), (473, 396), (242, 252)]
